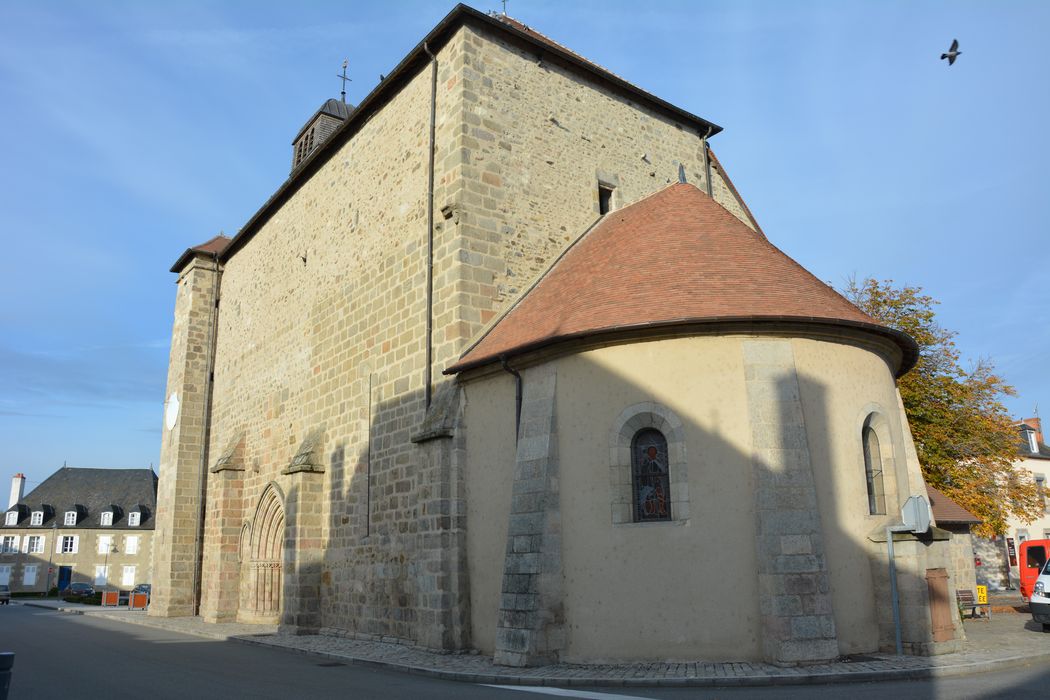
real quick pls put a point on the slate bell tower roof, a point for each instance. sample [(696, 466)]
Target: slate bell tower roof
[(673, 259)]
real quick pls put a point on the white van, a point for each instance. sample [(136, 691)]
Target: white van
[(1040, 600)]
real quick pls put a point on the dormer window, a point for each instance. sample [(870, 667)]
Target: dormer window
[(133, 519), (1033, 445), (12, 518), (37, 518), (71, 518), (107, 518)]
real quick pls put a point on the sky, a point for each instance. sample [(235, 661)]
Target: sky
[(133, 130)]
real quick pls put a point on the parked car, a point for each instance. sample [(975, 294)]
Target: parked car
[(1040, 600), (5, 594), (143, 588), (78, 590)]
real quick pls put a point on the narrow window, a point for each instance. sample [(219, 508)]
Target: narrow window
[(873, 473), (104, 543), (101, 575), (107, 518), (71, 517), (29, 575), (605, 193), (131, 544), (651, 477), (1033, 445), (37, 518), (1040, 487), (36, 544), (12, 518), (133, 519), (69, 544), (8, 546)]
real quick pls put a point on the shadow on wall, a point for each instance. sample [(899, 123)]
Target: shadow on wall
[(392, 566), (391, 559)]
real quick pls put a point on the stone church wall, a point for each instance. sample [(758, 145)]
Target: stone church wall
[(320, 333), (523, 169), (318, 387), (770, 534)]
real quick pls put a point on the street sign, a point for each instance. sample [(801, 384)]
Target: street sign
[(915, 514)]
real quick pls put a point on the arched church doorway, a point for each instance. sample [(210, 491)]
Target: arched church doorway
[(261, 574)]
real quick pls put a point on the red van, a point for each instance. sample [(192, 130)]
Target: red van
[(1031, 560)]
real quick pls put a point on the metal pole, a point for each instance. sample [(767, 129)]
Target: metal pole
[(893, 592), (51, 553)]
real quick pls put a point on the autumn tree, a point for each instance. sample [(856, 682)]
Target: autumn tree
[(966, 441)]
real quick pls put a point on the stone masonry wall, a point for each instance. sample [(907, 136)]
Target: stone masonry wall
[(320, 363), (798, 623), (82, 562), (179, 473), (531, 624), (523, 171)]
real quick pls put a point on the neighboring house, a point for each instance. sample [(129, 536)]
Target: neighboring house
[(999, 557), (80, 525), (507, 364), (957, 520)]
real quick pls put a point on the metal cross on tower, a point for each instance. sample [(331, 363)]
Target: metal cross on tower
[(504, 8), (346, 62)]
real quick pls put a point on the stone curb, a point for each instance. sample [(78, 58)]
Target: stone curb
[(866, 676), (698, 682)]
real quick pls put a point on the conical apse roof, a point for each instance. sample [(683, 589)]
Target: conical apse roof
[(674, 258)]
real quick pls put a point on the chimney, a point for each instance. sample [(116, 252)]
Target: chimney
[(1037, 424), (18, 487)]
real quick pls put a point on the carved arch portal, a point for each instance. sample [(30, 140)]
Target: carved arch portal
[(261, 570)]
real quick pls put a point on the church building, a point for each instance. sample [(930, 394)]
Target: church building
[(506, 364)]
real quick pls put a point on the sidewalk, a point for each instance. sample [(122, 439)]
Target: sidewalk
[(1004, 641)]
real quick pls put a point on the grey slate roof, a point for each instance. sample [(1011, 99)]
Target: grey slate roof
[(1026, 449), (92, 491), (333, 108)]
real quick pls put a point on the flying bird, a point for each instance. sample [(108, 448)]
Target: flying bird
[(953, 52)]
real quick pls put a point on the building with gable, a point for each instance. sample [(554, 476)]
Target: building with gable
[(507, 364), (999, 557), (79, 526)]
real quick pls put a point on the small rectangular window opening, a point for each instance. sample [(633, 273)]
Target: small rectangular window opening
[(605, 193)]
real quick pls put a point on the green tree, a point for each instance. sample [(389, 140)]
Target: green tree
[(966, 441)]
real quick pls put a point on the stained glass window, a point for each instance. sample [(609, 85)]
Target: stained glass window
[(652, 480)]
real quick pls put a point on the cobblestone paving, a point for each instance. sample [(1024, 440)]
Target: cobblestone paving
[(1005, 640)]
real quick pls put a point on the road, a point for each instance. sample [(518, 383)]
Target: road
[(68, 657)]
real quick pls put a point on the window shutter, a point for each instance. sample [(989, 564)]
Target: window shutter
[(76, 543), (25, 544), (58, 544), (14, 548)]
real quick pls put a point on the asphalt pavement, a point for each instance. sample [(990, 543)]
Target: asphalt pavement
[(1009, 640)]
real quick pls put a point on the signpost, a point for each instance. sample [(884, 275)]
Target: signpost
[(915, 518)]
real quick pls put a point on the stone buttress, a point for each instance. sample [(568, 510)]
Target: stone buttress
[(183, 456)]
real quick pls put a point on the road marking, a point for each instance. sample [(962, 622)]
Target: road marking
[(586, 694)]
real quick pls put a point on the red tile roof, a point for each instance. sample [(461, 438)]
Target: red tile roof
[(946, 511), (676, 257), (215, 246)]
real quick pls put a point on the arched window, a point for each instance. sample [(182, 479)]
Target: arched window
[(651, 476), (873, 473)]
